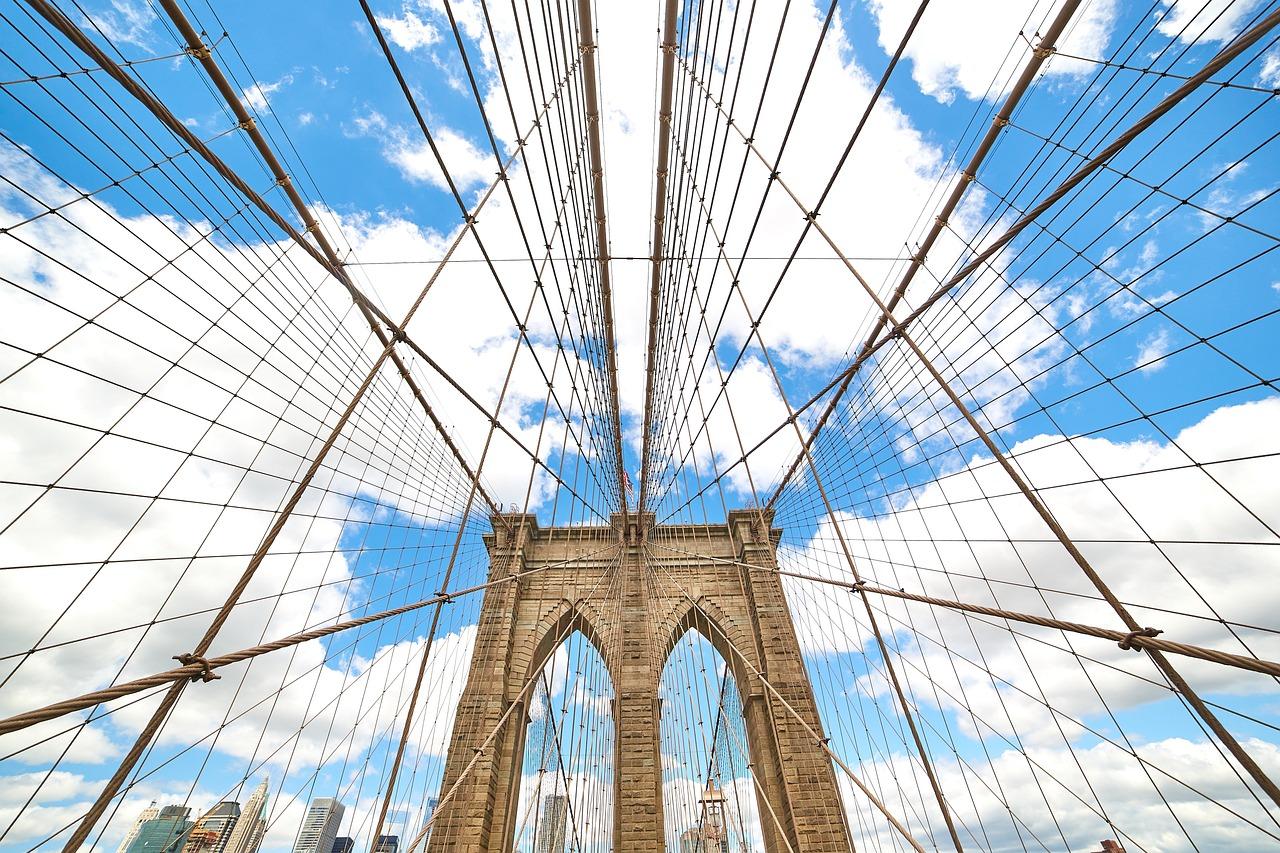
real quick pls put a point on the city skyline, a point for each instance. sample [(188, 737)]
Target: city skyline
[(226, 826)]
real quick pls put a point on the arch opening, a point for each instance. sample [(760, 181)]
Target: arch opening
[(710, 801), (565, 787)]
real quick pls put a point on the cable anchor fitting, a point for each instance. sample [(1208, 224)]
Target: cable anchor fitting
[(206, 673), (1042, 52), (199, 50), (1127, 642)]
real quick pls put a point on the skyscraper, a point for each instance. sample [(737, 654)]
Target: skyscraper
[(433, 803), (246, 837), (212, 832), (343, 844), (555, 814), (320, 826), (149, 813), (387, 844), (164, 833)]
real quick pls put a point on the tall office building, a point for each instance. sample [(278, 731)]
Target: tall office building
[(387, 844), (551, 826), (212, 832), (432, 804), (320, 826), (149, 813), (164, 833), (246, 837), (343, 844)]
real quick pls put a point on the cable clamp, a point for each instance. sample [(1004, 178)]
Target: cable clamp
[(206, 673), (1127, 642), (397, 334), (586, 49), (858, 587), (469, 218), (773, 176), (966, 176), (198, 51), (1041, 52), (445, 598), (669, 48), (283, 181), (1001, 121), (811, 216), (247, 124)]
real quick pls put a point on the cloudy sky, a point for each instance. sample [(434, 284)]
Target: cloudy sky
[(170, 362)]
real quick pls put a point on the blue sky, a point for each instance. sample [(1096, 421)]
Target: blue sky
[(1137, 318)]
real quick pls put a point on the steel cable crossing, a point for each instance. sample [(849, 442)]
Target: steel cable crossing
[(968, 550)]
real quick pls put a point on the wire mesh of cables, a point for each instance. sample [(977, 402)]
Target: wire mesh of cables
[(1053, 414), (218, 429), (1014, 415)]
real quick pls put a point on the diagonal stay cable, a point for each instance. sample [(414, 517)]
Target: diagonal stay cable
[(327, 259), (1039, 54)]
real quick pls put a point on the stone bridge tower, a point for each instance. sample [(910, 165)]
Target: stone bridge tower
[(634, 597)]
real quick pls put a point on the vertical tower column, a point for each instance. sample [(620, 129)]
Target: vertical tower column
[(637, 772), (797, 772), (485, 802)]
